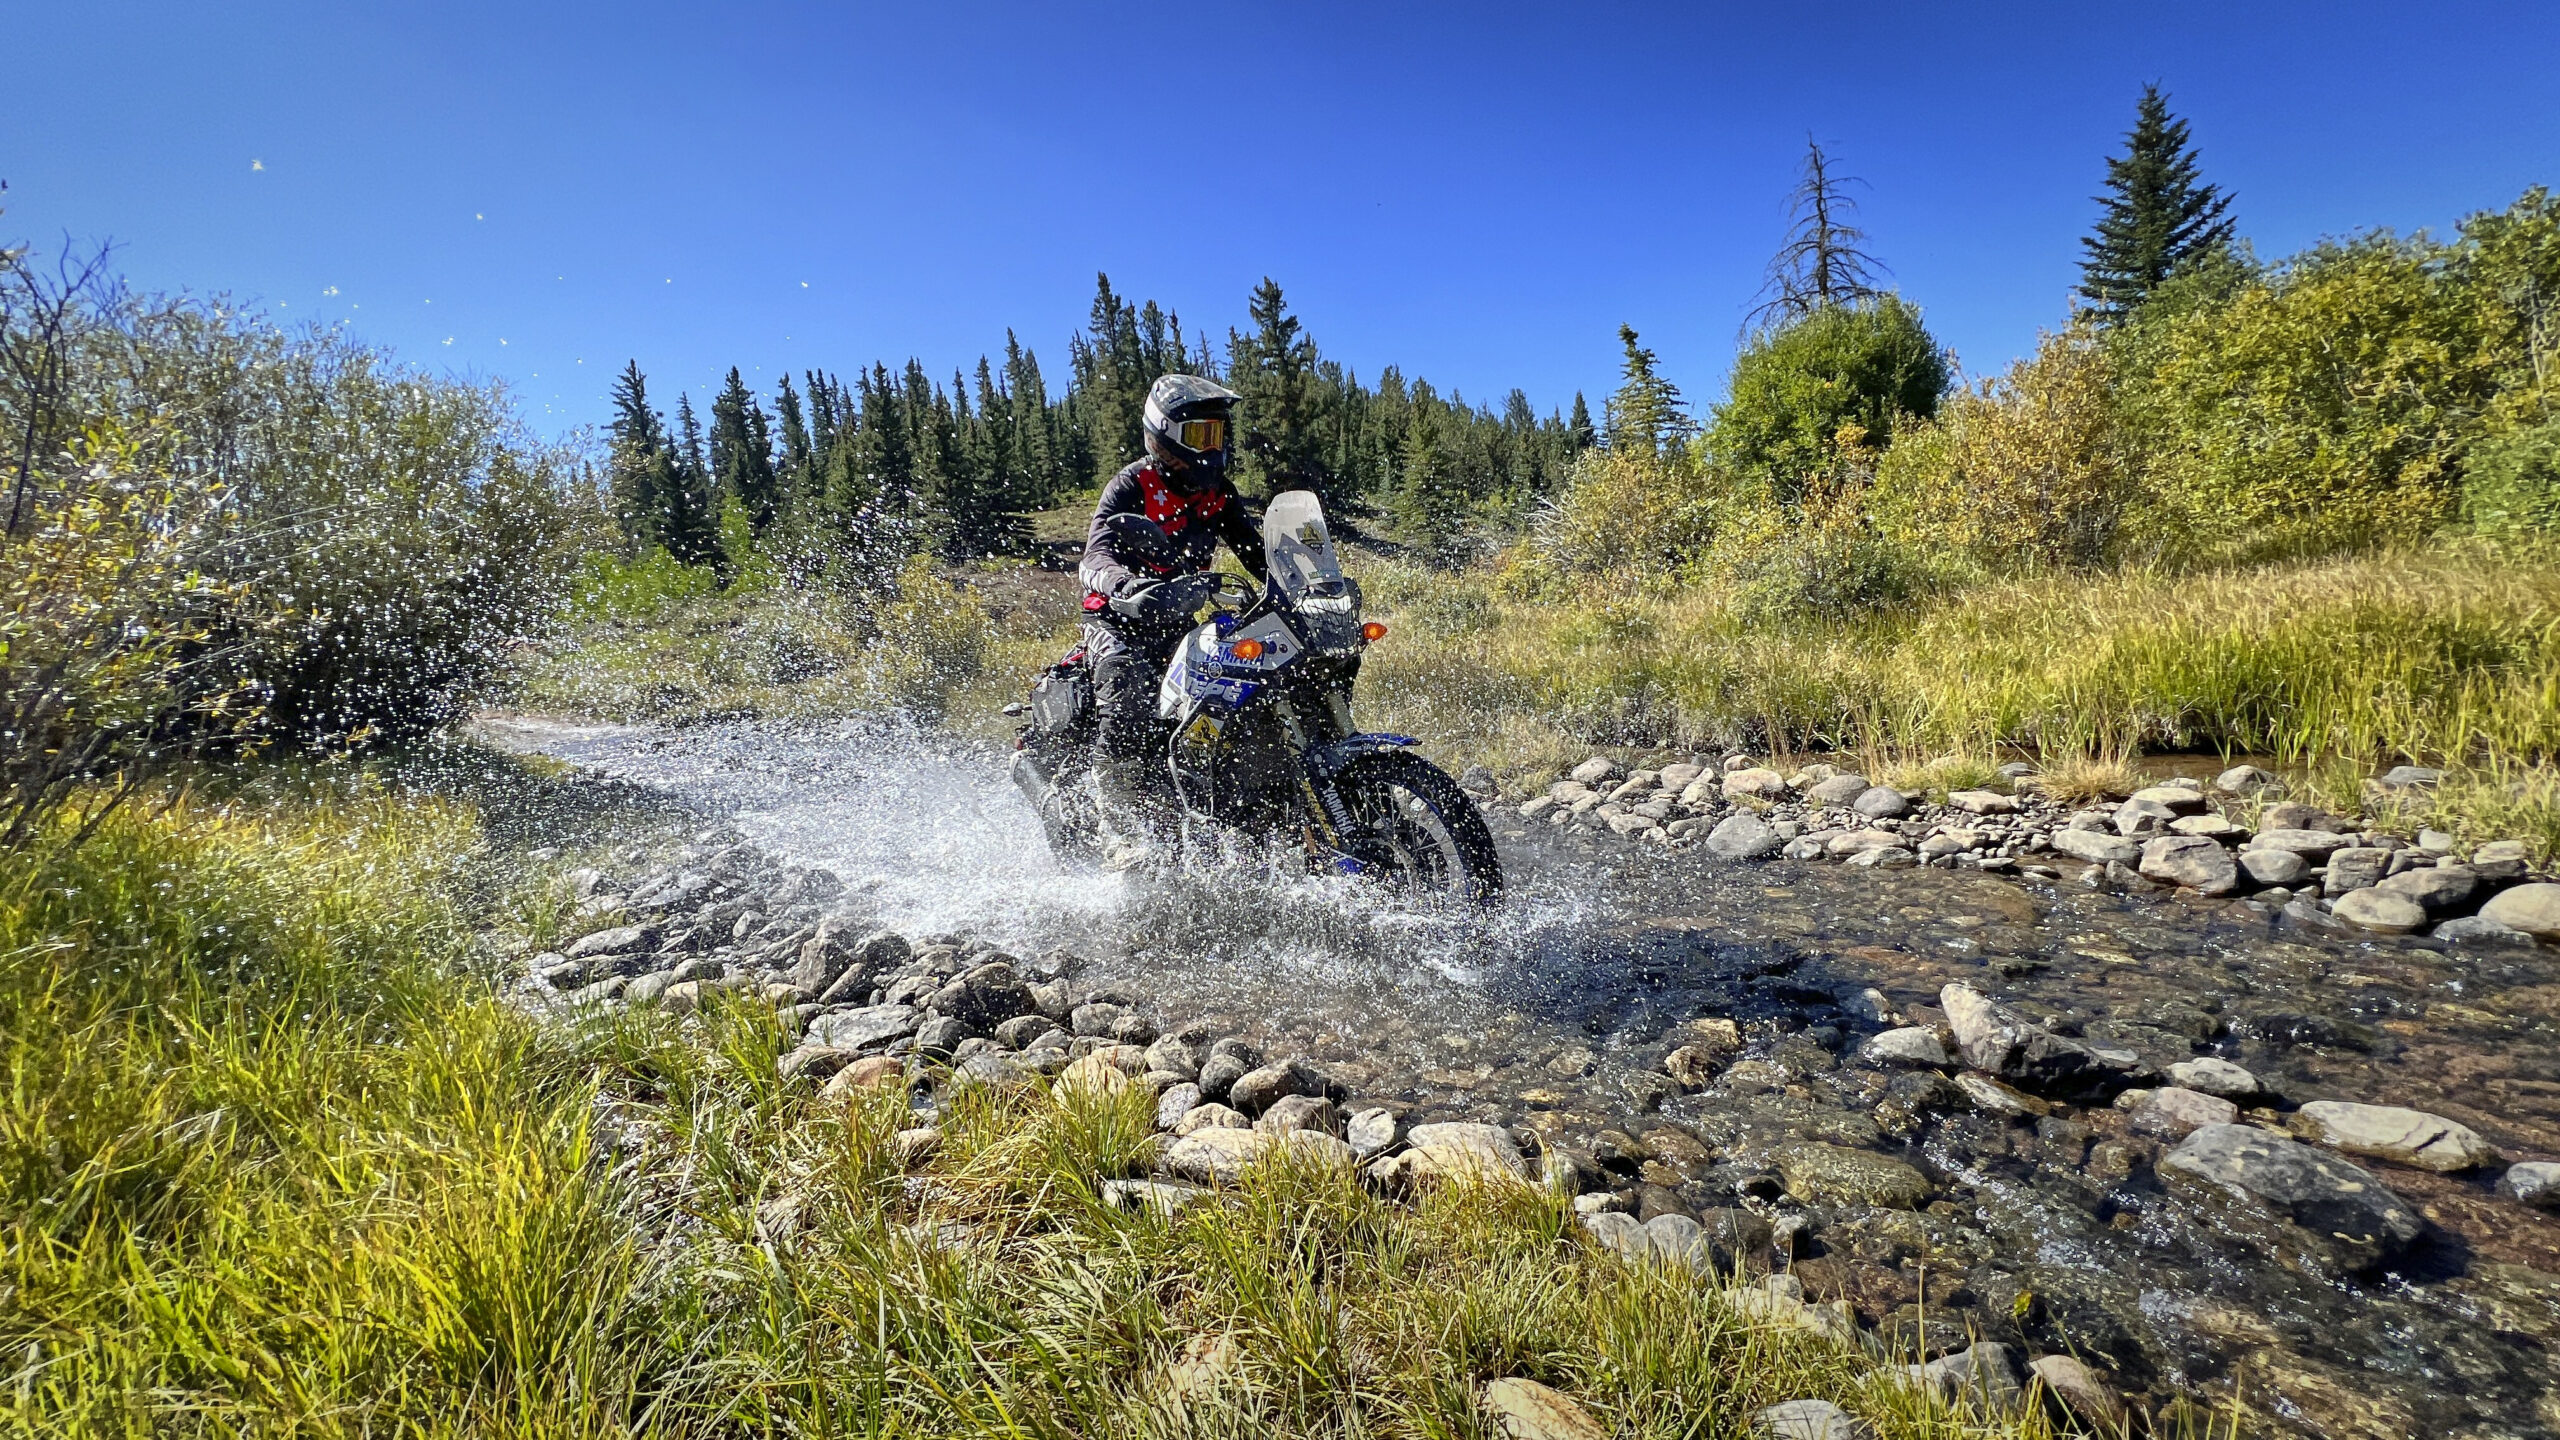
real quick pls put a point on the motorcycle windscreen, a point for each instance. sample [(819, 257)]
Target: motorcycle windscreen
[(1299, 549)]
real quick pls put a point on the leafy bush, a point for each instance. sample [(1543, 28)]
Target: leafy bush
[(1795, 389), (1625, 513), (384, 538), (1829, 565), (2025, 473)]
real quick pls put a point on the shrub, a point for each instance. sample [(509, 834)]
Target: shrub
[(2025, 473), (1621, 512), (1797, 387), (2512, 489)]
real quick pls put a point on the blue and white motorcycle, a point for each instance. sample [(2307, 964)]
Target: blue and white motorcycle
[(1256, 708)]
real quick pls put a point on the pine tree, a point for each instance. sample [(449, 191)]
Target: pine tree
[(1578, 430), (2160, 217), (742, 454), (690, 523), (641, 469), (1647, 413), (1274, 368), (1821, 264)]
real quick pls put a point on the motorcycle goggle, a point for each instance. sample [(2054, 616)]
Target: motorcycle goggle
[(1201, 435)]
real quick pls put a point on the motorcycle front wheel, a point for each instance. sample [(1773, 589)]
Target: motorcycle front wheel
[(1417, 830)]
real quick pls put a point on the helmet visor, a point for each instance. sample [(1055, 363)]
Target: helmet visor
[(1200, 436)]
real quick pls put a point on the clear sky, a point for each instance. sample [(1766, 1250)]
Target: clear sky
[(1476, 192)]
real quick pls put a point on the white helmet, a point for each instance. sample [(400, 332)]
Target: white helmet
[(1191, 420)]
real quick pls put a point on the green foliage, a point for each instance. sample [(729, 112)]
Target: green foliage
[(1646, 415), (2161, 217), (2512, 489), (1797, 388)]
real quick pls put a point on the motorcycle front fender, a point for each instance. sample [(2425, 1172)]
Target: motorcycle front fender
[(1327, 761)]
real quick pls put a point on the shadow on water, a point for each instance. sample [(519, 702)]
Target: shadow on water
[(1556, 1011)]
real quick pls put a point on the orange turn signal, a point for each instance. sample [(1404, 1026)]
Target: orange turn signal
[(1373, 632), (1248, 650)]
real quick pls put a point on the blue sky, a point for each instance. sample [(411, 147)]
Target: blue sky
[(1478, 193)]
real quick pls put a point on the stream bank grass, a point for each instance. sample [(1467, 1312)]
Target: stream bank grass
[(2448, 656)]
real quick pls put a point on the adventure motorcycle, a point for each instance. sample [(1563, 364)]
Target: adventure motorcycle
[(1256, 707)]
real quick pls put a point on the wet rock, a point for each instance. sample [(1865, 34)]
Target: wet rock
[(984, 997), (2247, 780), (939, 1035), (1854, 842), (1743, 836), (2439, 889), (1108, 1070), (1994, 1038), (1221, 1156), (2306, 1204), (2294, 815), (1096, 1017), (1823, 1174), (1987, 1371), (1018, 1032), (2138, 819), (1526, 1410), (2211, 827), (2533, 909), (1881, 802), (1220, 1072), (865, 1028), (2378, 910), (1838, 790), (1810, 1420), (2213, 1076), (2388, 1132), (2274, 867), (1693, 1067), (2096, 847), (2477, 930), (1175, 1102), (2077, 1388), (1211, 1116), (2174, 1112), (2501, 860), (1134, 1029), (1912, 1045), (1462, 1152), (1889, 858), (1372, 1132), (1176, 1054), (1255, 1091), (1300, 1112), (1991, 1097), (2194, 861), (615, 941), (2534, 1182)]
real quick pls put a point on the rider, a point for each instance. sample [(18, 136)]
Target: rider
[(1181, 486)]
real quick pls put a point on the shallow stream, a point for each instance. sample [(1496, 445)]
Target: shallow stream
[(1556, 1013)]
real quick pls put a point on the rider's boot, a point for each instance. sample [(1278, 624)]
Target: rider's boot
[(1133, 822)]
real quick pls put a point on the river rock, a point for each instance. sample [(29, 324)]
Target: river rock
[(2070, 1381), (1371, 1132), (1300, 1112), (2294, 815), (1991, 1036), (1982, 802), (2198, 863), (1810, 1420), (2314, 846), (1909, 1046), (2096, 847), (1890, 857), (1175, 1054), (861, 1029), (1842, 846), (2212, 1076), (2358, 867), (984, 997), (1211, 1116), (872, 1072), (1255, 1091), (2501, 860), (2534, 1182), (1817, 1173), (1881, 802), (1220, 1072), (2439, 889), (2176, 799), (2142, 819), (1107, 1070), (1096, 1018), (1838, 790), (2211, 827), (1987, 1370), (2305, 1203), (2379, 910), (615, 941), (2388, 1132), (2533, 909), (1220, 1156), (1479, 1153), (2479, 931), (2274, 867), (1743, 836), (1594, 770), (2247, 780), (2174, 1112), (1175, 1102), (1755, 783), (1527, 1410)]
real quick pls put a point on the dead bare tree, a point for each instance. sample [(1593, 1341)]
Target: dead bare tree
[(39, 316), (1821, 265)]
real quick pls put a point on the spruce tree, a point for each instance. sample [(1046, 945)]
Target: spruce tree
[(2160, 215), (1275, 369), (690, 527), (641, 469), (1647, 413), (1578, 430), (742, 454)]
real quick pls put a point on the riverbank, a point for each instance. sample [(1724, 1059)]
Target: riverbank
[(283, 1160)]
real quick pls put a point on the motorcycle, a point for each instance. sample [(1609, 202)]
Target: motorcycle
[(1256, 711)]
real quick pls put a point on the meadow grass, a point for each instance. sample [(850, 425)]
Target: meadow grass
[(275, 1159)]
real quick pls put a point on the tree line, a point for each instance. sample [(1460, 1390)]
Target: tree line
[(833, 480)]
